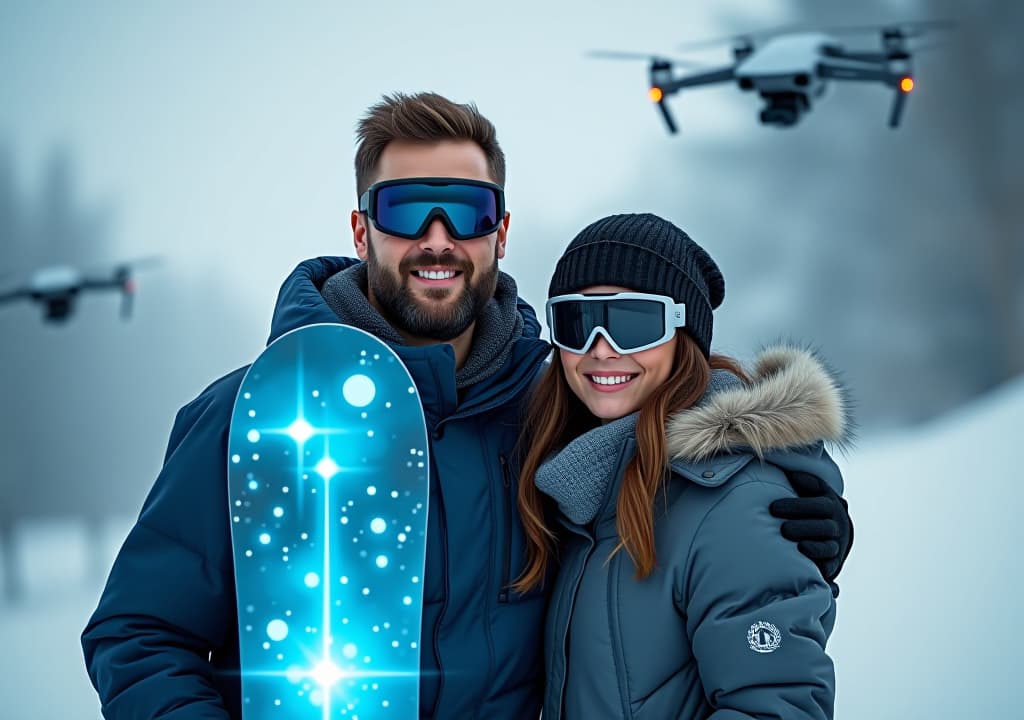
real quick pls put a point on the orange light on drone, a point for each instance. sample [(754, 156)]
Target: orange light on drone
[(907, 84), (655, 94)]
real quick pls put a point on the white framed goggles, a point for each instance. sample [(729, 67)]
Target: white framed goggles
[(629, 321)]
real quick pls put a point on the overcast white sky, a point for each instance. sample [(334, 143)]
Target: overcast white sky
[(225, 130)]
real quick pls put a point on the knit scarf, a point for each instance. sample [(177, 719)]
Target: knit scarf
[(578, 475), (497, 326)]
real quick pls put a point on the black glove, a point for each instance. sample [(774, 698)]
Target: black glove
[(818, 521)]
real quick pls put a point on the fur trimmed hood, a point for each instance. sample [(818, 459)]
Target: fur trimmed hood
[(793, 400)]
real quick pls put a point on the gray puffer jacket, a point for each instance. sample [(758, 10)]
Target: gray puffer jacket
[(733, 621)]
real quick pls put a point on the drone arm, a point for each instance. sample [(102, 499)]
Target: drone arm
[(669, 121), (14, 295), (897, 108), (858, 56), (902, 83), (706, 78), (120, 282), (671, 86), (856, 70), (100, 284)]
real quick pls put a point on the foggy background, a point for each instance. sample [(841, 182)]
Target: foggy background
[(219, 137)]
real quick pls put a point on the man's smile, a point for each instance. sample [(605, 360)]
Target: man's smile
[(436, 276)]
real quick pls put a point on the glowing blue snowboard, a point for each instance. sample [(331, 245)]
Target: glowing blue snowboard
[(328, 487)]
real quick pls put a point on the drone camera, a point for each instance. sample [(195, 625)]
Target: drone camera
[(802, 80), (784, 108), (746, 83), (58, 309)]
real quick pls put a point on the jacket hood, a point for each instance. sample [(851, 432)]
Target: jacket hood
[(794, 400), (299, 302)]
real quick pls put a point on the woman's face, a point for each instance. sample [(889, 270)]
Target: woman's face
[(610, 384)]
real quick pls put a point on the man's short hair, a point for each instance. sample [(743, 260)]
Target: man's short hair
[(422, 117)]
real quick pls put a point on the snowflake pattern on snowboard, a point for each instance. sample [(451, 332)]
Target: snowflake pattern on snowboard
[(328, 487)]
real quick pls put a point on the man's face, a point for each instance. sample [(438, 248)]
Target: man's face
[(433, 287)]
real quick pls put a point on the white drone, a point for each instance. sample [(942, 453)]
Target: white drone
[(790, 69)]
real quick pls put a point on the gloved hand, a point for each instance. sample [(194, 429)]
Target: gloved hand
[(818, 521)]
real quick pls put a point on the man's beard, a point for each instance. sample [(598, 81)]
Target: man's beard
[(423, 318)]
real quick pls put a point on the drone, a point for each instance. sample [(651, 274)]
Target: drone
[(56, 287), (790, 69)]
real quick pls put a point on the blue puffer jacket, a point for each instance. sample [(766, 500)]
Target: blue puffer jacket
[(732, 623), (163, 641)]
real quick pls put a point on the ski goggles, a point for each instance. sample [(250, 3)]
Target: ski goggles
[(406, 207), (629, 321)]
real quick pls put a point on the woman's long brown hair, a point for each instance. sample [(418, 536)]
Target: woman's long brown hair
[(556, 416)]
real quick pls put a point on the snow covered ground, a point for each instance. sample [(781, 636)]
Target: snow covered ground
[(927, 615), (932, 591), (44, 676)]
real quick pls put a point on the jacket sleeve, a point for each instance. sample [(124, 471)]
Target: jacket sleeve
[(758, 612), (169, 600)]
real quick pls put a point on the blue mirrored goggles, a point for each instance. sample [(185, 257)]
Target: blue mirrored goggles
[(406, 207), (629, 321)]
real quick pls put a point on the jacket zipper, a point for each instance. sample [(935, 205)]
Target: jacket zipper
[(506, 562), (436, 639), (571, 595), (497, 402), (591, 536)]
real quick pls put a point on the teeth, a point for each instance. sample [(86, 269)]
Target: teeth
[(612, 380), (435, 274)]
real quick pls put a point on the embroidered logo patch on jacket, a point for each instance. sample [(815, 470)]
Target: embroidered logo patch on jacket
[(763, 637)]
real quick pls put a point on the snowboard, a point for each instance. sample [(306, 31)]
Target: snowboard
[(328, 488)]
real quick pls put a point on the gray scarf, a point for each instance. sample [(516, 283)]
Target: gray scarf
[(497, 326), (578, 476)]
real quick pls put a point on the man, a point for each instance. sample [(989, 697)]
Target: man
[(163, 641)]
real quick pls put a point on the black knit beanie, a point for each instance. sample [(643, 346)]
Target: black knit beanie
[(644, 253)]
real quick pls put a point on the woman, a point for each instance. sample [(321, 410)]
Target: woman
[(652, 465)]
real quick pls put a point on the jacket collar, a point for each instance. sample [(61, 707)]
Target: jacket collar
[(301, 303)]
